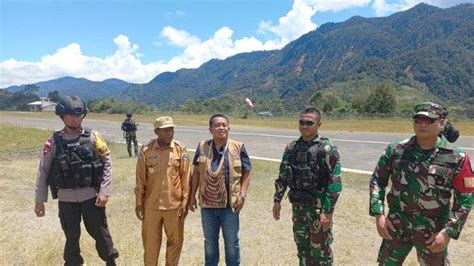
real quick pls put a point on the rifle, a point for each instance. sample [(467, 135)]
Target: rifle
[(124, 134)]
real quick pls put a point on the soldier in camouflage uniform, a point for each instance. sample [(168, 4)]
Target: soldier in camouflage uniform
[(129, 128), (424, 171), (311, 169)]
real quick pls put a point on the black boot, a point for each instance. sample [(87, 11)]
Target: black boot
[(111, 261)]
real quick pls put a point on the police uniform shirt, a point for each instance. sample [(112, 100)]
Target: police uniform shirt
[(78, 194)]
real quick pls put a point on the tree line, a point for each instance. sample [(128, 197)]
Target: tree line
[(379, 100)]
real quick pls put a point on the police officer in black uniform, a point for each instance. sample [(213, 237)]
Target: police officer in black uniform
[(76, 164), (129, 127)]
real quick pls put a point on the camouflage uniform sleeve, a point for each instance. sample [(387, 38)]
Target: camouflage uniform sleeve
[(379, 182), (334, 184), (281, 182), (461, 207)]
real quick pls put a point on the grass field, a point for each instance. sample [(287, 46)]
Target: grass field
[(28, 240), (360, 124)]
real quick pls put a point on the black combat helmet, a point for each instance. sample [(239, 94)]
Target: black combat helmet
[(71, 105), (129, 114)]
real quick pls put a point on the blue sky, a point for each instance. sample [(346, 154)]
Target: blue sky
[(137, 40)]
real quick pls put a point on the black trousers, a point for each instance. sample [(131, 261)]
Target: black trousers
[(95, 222)]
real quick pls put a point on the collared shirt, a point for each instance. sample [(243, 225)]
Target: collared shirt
[(162, 176), (68, 194), (244, 157)]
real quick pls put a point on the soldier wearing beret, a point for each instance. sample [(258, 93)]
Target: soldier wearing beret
[(425, 172)]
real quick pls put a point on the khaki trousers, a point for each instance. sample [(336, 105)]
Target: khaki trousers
[(152, 228)]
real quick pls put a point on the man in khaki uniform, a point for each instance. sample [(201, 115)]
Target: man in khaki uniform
[(162, 176)]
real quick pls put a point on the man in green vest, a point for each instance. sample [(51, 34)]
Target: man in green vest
[(222, 174), (311, 169)]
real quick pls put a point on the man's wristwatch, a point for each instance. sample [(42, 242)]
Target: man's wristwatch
[(243, 195)]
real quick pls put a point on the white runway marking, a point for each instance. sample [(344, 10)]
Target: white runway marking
[(294, 137)]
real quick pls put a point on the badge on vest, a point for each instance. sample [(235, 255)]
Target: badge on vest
[(151, 170), (302, 157)]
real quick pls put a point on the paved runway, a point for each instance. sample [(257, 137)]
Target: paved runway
[(359, 150)]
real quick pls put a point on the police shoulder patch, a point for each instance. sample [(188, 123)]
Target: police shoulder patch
[(47, 146), (100, 144)]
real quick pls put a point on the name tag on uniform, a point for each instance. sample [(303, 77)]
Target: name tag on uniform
[(469, 182)]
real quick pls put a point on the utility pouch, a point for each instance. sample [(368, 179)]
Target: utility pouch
[(97, 173), (305, 181), (300, 197), (63, 162), (97, 168), (76, 174), (289, 176), (86, 171)]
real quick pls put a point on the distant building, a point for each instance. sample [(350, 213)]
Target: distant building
[(266, 113), (43, 105)]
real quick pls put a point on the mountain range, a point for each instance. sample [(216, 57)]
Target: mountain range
[(427, 49)]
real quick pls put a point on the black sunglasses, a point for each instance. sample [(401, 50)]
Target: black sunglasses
[(306, 123), (419, 120)]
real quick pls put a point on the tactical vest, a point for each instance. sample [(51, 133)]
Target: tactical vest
[(439, 166), (128, 125), (76, 163), (306, 172), (235, 168)]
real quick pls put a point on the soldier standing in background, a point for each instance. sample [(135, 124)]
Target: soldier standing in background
[(130, 127), (162, 187), (449, 131), (76, 164), (424, 171), (311, 168)]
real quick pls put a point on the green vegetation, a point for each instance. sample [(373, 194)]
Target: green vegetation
[(17, 101), (339, 67), (432, 56), (40, 241), (111, 106)]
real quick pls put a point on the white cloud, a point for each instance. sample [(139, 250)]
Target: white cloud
[(125, 62), (335, 5), (69, 61), (382, 8), (298, 20), (179, 38)]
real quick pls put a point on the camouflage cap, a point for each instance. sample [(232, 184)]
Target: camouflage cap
[(163, 122), (429, 109)]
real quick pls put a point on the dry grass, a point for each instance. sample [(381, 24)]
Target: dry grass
[(28, 240), (362, 124)]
